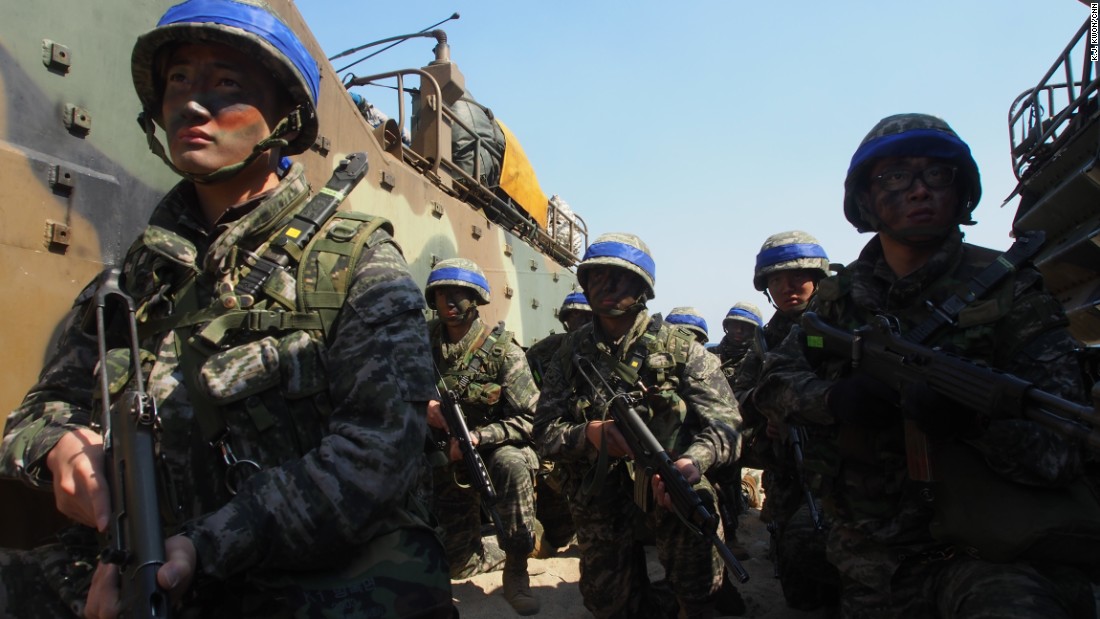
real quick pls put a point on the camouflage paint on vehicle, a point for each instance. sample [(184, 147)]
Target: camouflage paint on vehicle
[(77, 183)]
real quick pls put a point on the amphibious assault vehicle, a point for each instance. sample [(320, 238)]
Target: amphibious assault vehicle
[(77, 183)]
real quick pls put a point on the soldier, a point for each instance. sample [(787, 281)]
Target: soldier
[(550, 505), (292, 486), (740, 327), (692, 413), (573, 313), (913, 181), (489, 373), (689, 318), (788, 269)]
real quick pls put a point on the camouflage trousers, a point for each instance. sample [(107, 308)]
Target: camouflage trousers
[(399, 574), (965, 587), (457, 506), (552, 508), (614, 581), (808, 580)]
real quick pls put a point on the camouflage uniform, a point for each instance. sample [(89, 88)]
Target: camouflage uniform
[(880, 540), (499, 404), (324, 512), (613, 574), (337, 504)]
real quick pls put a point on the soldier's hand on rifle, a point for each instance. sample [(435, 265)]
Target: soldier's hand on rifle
[(175, 576), (79, 479), (455, 452), (687, 468), (863, 400), (435, 416), (606, 433)]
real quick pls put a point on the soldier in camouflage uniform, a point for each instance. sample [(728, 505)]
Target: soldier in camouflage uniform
[(488, 371), (292, 486), (689, 318), (788, 269), (913, 181), (739, 327), (551, 506), (690, 410)]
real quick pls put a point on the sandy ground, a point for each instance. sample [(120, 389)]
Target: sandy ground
[(554, 580)]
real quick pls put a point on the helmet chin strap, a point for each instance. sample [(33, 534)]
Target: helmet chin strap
[(292, 122)]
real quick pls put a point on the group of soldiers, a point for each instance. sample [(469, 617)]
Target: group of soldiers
[(307, 467)]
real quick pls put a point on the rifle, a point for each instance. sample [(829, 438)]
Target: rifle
[(475, 466), (796, 435), (648, 452), (135, 538), (882, 353)]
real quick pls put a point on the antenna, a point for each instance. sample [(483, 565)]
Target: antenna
[(396, 40)]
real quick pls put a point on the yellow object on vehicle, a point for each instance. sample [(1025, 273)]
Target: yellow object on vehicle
[(518, 180)]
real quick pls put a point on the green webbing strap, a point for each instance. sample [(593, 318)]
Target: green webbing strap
[(477, 357), (1025, 247)]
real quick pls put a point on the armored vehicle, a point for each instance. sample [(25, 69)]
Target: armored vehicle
[(1054, 129), (77, 183)]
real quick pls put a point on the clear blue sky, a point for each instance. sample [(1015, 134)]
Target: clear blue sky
[(706, 127)]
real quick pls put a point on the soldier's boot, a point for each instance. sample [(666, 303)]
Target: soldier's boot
[(487, 559), (517, 585)]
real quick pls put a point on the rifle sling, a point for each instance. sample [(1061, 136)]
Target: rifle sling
[(1025, 247)]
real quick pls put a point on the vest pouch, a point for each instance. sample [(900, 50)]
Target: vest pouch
[(301, 365), (483, 393), (1004, 521), (239, 372)]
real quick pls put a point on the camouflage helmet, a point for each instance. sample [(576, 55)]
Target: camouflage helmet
[(691, 320), (623, 250), (248, 26), (743, 312), (909, 135), (457, 272), (574, 302), (788, 251)]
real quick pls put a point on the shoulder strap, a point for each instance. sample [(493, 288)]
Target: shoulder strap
[(1025, 247), (479, 351)]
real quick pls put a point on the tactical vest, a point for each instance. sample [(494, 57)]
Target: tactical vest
[(657, 359), (255, 376), (479, 369)]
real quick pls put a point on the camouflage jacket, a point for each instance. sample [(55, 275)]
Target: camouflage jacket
[(500, 400), (760, 451), (338, 435), (541, 352), (691, 396), (732, 355), (1016, 327)]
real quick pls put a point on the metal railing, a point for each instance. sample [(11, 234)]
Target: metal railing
[(1043, 118), (469, 187)]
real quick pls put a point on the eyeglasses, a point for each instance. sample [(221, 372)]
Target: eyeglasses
[(900, 179)]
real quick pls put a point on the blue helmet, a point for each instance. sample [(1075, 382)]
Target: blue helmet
[(250, 27), (743, 312), (690, 319), (457, 272), (909, 135), (622, 250), (789, 251)]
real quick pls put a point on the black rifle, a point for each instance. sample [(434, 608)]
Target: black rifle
[(135, 539), (294, 237), (797, 435), (475, 466), (653, 458), (878, 350)]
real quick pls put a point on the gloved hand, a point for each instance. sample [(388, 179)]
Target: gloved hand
[(863, 400), (937, 415)]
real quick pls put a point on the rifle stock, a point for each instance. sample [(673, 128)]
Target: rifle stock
[(882, 353), (652, 456), (134, 534)]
